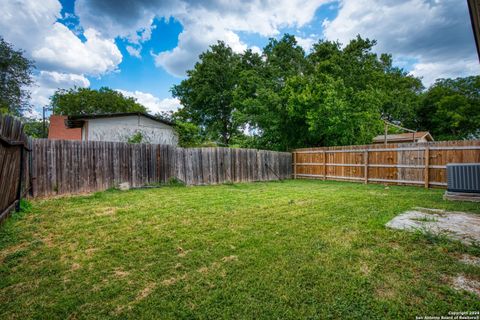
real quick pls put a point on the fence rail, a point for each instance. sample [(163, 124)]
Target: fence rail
[(417, 164), (69, 167)]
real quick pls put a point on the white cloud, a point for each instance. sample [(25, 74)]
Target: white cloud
[(256, 49), (63, 51), (135, 52), (33, 114), (137, 39), (306, 43), (61, 57), (46, 82), (32, 26), (204, 22), (152, 103), (436, 34), (120, 18), (204, 26), (191, 44), (453, 68)]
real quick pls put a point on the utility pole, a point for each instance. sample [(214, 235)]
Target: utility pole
[(44, 126), (45, 109), (386, 124), (386, 131)]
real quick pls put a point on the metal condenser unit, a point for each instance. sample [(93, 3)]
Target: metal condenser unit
[(463, 177)]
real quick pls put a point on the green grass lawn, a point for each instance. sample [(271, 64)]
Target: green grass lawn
[(297, 249)]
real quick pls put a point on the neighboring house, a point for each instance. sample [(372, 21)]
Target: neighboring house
[(422, 136), (118, 127)]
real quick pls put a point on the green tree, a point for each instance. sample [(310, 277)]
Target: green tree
[(450, 109), (137, 137), (334, 115), (394, 92), (189, 134), (15, 78), (81, 101), (207, 93), (401, 94), (333, 96), (264, 98), (286, 99), (34, 128)]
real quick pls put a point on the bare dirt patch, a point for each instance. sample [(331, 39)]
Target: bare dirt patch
[(385, 293), (171, 281), (364, 269), (229, 258), (48, 240), (182, 252), (146, 291), (461, 226), (75, 266), (106, 212), (89, 252), (120, 273), (203, 270)]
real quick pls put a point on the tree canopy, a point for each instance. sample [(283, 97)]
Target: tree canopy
[(450, 109), (15, 78), (81, 101), (208, 93), (284, 98)]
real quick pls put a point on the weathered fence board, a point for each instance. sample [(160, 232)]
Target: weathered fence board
[(407, 163), (69, 167), (14, 167)]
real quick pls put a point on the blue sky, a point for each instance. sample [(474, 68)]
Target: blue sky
[(141, 74), (144, 47)]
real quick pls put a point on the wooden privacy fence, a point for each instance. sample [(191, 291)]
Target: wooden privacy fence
[(406, 163), (68, 167), (14, 171)]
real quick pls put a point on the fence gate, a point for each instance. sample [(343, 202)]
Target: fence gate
[(13, 165)]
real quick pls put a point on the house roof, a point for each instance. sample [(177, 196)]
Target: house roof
[(78, 120), (404, 137), (474, 9)]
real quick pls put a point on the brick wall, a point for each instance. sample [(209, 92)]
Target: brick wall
[(58, 130)]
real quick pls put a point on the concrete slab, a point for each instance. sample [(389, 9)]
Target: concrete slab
[(461, 282), (461, 226), (471, 260)]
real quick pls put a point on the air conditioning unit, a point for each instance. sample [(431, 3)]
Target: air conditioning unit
[(463, 181)]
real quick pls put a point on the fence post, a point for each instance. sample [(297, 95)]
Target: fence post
[(365, 162), (324, 165), (294, 165), (20, 176), (427, 165)]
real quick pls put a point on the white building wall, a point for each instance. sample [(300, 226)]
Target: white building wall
[(120, 129)]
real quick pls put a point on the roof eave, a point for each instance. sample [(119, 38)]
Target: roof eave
[(121, 114)]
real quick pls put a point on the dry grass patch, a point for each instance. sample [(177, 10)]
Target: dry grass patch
[(6, 252), (229, 258), (173, 280)]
